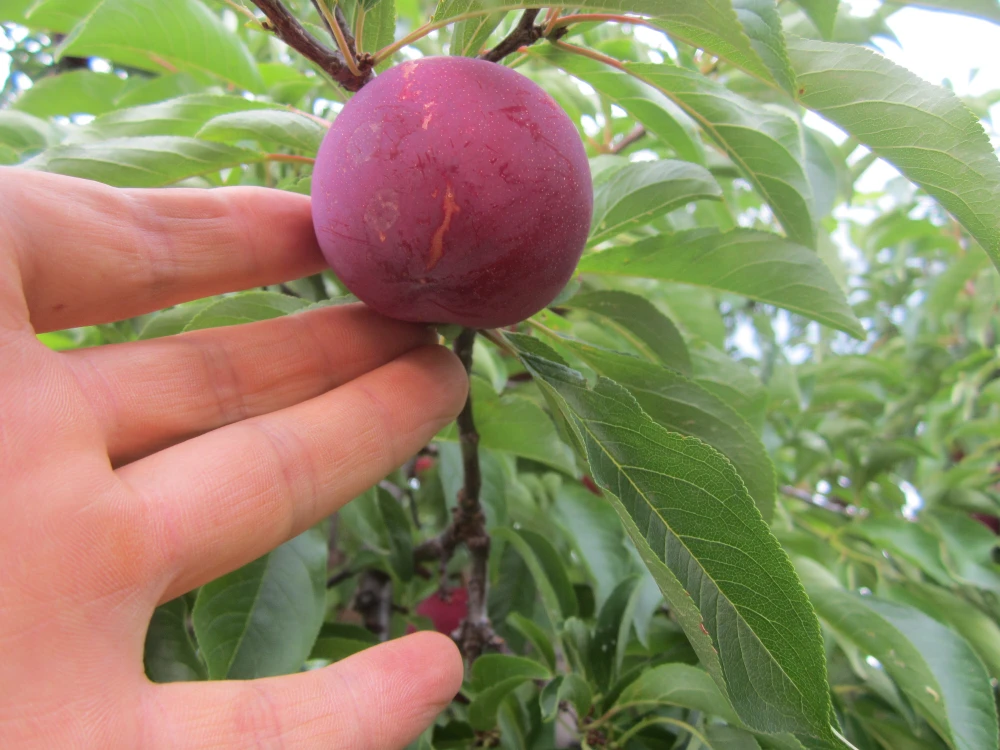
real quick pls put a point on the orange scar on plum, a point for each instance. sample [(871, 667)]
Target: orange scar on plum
[(450, 208)]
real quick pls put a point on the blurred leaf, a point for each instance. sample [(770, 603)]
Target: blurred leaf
[(547, 570), (969, 548), (677, 685), (170, 654), (765, 144), (184, 116), (79, 92), (636, 319), (719, 567), (262, 619), (598, 536), (922, 129), (245, 307), (141, 162), (397, 526), (641, 192), (494, 677), (469, 36), (569, 688), (758, 265), (182, 35), (762, 24), (910, 541), (937, 671), (24, 133), (614, 624), (537, 637), (823, 13)]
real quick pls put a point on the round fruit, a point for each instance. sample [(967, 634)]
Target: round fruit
[(453, 190)]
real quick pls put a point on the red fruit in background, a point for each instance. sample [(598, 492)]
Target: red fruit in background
[(445, 612), (423, 464), (989, 521), (453, 190), (591, 485)]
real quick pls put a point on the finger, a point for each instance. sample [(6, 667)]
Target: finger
[(379, 699), (95, 254), (150, 394), (227, 497)]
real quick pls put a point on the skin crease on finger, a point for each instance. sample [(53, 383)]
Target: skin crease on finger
[(83, 557)]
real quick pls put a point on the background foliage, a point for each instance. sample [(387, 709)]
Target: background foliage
[(788, 390)]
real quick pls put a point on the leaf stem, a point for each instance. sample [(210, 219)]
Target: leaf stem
[(525, 33), (333, 24), (592, 54), (289, 157)]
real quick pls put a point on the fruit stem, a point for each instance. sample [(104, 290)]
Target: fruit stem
[(524, 34)]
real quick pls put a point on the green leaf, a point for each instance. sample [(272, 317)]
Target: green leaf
[(982, 633), (24, 133), (183, 116), (728, 581), (677, 685), (547, 570), (379, 28), (658, 113), (731, 381), (969, 548), (635, 318), (988, 10), (938, 672), (909, 541), (639, 193), (924, 130), (397, 526), (152, 161), (823, 13), (337, 641), (762, 24), (494, 676), (598, 535), (764, 143), (246, 307), (535, 635), (182, 35), (79, 92), (468, 37), (262, 619), (683, 406), (174, 320), (516, 425), (169, 654), (570, 688), (270, 128), (614, 625), (758, 265)]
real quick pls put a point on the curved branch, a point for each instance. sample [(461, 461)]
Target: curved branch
[(523, 35), (287, 28)]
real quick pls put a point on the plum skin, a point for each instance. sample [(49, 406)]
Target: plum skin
[(452, 190)]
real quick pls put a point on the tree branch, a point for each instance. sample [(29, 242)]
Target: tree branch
[(468, 527), (629, 139), (523, 35), (291, 32), (834, 505)]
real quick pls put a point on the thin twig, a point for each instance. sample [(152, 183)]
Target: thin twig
[(336, 24), (821, 501), (287, 28), (373, 601), (638, 132), (524, 34)]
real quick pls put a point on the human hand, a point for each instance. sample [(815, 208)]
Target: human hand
[(135, 472)]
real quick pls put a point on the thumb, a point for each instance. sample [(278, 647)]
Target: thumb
[(379, 699)]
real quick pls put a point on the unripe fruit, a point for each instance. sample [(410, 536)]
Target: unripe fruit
[(453, 190), (446, 612)]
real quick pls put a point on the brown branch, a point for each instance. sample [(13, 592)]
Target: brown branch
[(373, 601), (834, 504), (468, 527), (523, 35), (628, 140), (291, 32)]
